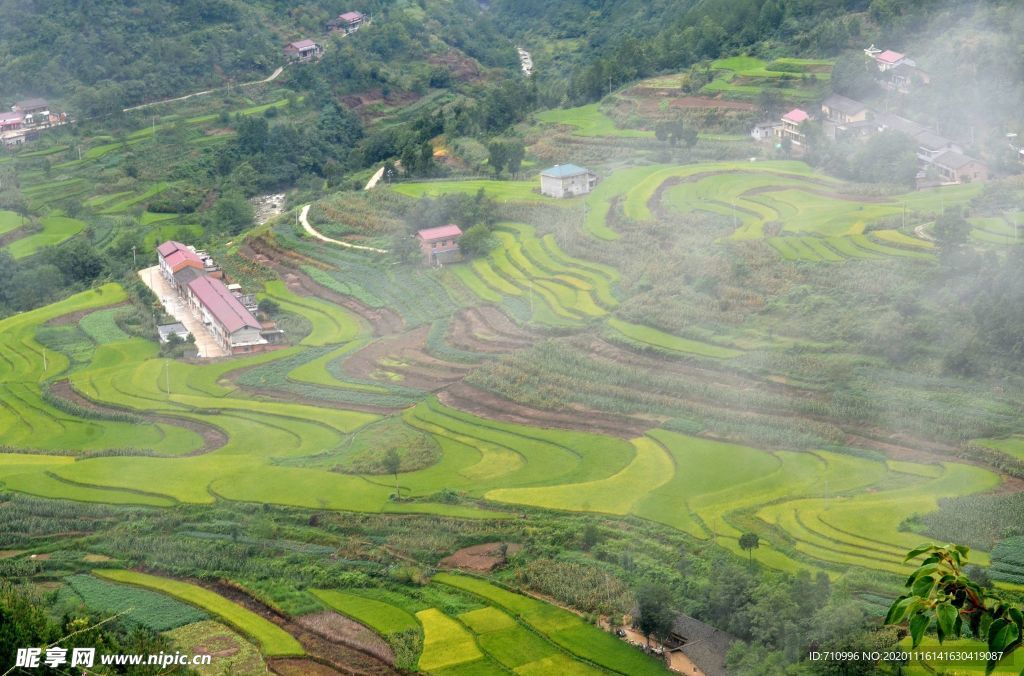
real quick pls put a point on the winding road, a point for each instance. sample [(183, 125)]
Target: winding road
[(270, 78), (303, 218)]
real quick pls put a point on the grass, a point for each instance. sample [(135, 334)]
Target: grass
[(235, 655), (331, 323), (149, 609), (9, 220), (382, 617), (273, 641), (502, 191), (588, 120), (660, 340), (1012, 446), (564, 629), (55, 229), (445, 642)]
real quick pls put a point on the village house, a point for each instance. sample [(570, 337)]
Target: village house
[(348, 22), (931, 145), (955, 167), (9, 121), (303, 50), (165, 331), (174, 258), (887, 59), (705, 646), (842, 110), (791, 122), (765, 131), (440, 245), (904, 78), (232, 326), (32, 107), (566, 180)]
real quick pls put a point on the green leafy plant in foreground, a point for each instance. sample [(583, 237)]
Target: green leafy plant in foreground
[(940, 590)]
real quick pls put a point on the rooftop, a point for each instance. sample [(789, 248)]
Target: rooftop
[(953, 160), (302, 44), (927, 139), (901, 124), (441, 232), (889, 56), (32, 103), (349, 17), (225, 308), (796, 115), (705, 645), (843, 104), (564, 171)]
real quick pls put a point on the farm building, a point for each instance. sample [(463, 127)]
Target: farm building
[(566, 180), (303, 50), (887, 59), (842, 110), (165, 331), (930, 146), (349, 22), (955, 167), (765, 131), (791, 122), (173, 257), (904, 78), (440, 245), (234, 327), (32, 106), (11, 121), (705, 646)]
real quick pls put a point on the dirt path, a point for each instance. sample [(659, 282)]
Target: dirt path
[(326, 645), (375, 179), (270, 78), (921, 233), (304, 213)]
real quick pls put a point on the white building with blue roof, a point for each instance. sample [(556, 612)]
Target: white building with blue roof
[(566, 180)]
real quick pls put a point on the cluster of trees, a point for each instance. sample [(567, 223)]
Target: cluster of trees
[(52, 274), (475, 214)]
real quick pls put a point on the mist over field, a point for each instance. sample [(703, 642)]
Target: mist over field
[(449, 337)]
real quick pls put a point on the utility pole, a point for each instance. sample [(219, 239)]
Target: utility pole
[(44, 361), (167, 380), (135, 264)]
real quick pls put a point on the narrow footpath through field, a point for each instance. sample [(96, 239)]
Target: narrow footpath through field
[(270, 78), (304, 219)]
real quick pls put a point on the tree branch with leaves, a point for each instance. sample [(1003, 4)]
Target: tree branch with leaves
[(941, 595)]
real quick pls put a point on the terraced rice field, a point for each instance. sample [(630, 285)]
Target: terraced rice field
[(588, 120), (810, 216), (273, 641), (807, 509), (746, 77), (560, 290), (54, 230)]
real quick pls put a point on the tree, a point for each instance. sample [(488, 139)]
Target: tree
[(951, 228), (748, 543), (941, 595), (405, 247), (516, 153), (232, 213), (476, 241), (655, 617), (497, 156), (674, 132), (392, 463)]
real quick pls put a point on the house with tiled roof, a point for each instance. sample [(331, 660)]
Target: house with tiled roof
[(440, 245), (230, 323), (303, 50), (791, 122), (566, 180), (347, 22)]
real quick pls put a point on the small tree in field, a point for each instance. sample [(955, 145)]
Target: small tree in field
[(939, 591), (748, 543), (392, 463)]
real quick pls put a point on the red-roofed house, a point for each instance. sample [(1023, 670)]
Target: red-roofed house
[(791, 122), (889, 59), (303, 50), (349, 22), (11, 121), (173, 257), (440, 245), (234, 327)]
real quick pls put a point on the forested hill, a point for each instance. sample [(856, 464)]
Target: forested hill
[(95, 56)]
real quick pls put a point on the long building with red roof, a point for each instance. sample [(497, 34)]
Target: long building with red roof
[(233, 326)]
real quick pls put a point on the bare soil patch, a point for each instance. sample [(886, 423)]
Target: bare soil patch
[(405, 355), (341, 629), (480, 558), (322, 649), (296, 666), (96, 558)]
